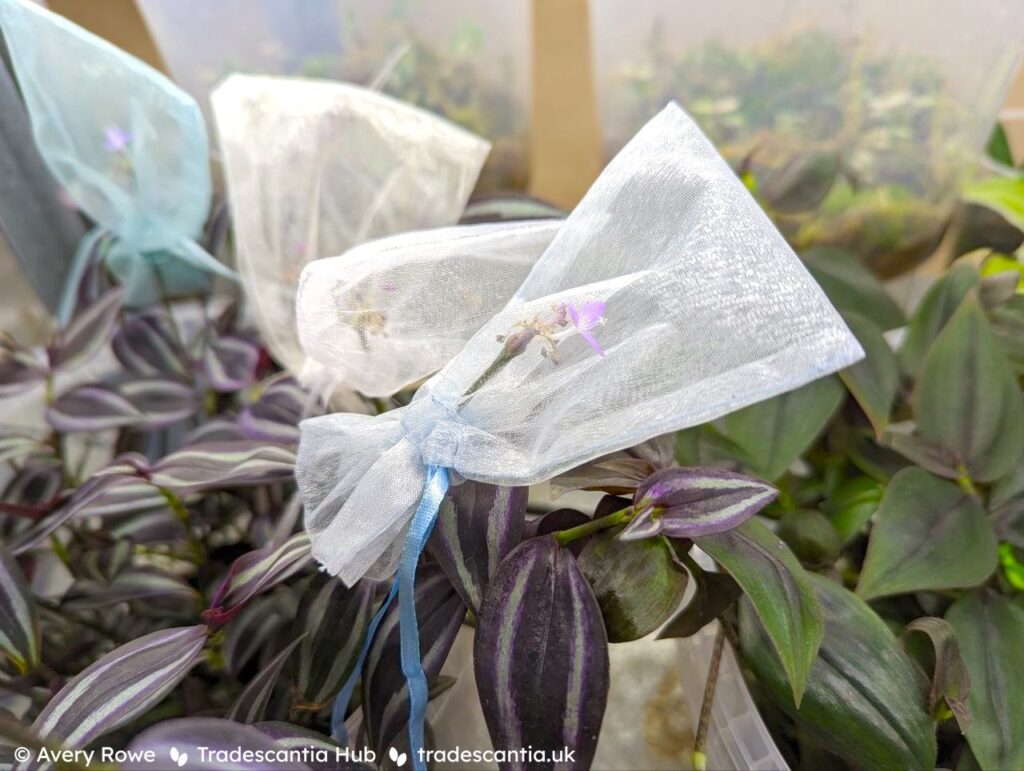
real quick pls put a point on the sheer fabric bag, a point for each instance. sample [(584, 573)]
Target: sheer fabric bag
[(391, 312), (129, 147), (666, 299), (314, 168)]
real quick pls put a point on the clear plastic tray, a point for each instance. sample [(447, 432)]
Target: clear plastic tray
[(889, 100), (464, 59)]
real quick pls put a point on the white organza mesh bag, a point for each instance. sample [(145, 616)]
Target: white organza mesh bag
[(667, 299), (393, 311), (314, 168)]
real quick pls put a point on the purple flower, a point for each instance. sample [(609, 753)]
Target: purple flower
[(590, 314), (116, 139)]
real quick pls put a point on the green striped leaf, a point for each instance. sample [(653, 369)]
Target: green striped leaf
[(779, 591), (19, 622), (967, 398), (865, 699), (990, 630), (120, 686), (928, 534)]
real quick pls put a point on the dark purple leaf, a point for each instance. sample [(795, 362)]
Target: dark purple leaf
[(125, 683), (161, 402), (87, 332), (230, 363), (215, 465), (257, 624), (477, 525), (335, 618), (136, 584), (950, 681), (19, 623), (93, 407), (693, 502), (256, 572), (144, 344), (929, 455), (440, 611), (715, 592), (560, 519), (252, 702), (541, 655), (182, 737)]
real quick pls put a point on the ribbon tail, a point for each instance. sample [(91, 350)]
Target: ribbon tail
[(403, 587), (412, 667), (79, 263), (189, 251)]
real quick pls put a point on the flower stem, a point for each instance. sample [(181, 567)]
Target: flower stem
[(581, 531), (700, 759)]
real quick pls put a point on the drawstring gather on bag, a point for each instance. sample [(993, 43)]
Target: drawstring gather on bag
[(404, 586)]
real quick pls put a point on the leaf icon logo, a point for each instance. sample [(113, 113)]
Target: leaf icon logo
[(181, 758), (399, 758)]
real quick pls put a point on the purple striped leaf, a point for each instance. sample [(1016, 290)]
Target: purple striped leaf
[(92, 407), (215, 430), (692, 502), (18, 447), (214, 465), (260, 622), (229, 363), (85, 495), (477, 525), (296, 738), (120, 686), (124, 495), (161, 402), (620, 472), (221, 738), (275, 415), (19, 622), (87, 332), (144, 344), (252, 702), (440, 611), (256, 572), (135, 584), (20, 369), (335, 618), (541, 655)]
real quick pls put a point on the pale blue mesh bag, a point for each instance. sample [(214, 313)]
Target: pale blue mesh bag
[(129, 147)]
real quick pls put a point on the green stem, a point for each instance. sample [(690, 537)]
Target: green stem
[(581, 531), (700, 758), (178, 507)]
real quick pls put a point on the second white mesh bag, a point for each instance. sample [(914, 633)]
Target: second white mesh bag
[(314, 168), (389, 313), (666, 299)]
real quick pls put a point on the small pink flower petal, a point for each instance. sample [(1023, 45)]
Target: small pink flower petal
[(592, 342)]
